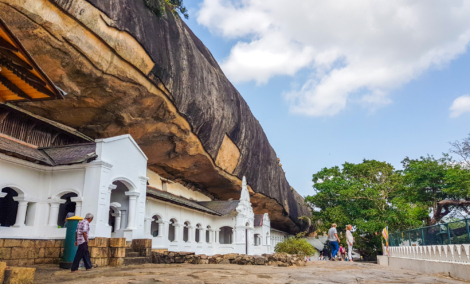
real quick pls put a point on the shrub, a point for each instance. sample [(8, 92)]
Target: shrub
[(158, 7), (295, 246)]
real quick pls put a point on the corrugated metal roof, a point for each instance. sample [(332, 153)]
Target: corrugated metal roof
[(225, 208), (169, 197)]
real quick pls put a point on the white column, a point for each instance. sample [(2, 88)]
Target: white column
[(160, 229), (53, 214), (148, 226), (123, 218), (234, 236), (132, 209), (202, 235), (78, 205), (21, 213), (216, 236), (117, 221), (190, 234)]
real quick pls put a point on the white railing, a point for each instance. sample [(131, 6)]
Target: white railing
[(441, 253)]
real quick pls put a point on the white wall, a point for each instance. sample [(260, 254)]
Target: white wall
[(167, 211), (119, 158), (175, 188)]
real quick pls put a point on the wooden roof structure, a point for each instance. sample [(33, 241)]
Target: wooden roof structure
[(21, 79)]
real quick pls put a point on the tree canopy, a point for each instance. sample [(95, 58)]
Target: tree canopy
[(363, 195), (440, 186)]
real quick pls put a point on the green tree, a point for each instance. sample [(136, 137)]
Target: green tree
[(158, 7), (365, 195), (439, 186), (295, 245)]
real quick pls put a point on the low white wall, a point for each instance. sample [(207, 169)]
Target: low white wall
[(456, 270)]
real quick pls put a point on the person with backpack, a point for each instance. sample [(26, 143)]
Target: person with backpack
[(325, 253)]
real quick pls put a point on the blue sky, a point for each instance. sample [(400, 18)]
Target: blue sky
[(403, 111)]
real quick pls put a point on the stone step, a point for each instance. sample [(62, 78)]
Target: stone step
[(136, 260), (132, 254)]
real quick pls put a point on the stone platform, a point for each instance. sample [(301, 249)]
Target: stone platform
[(313, 272)]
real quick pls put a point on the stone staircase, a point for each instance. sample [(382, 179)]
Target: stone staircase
[(138, 252)]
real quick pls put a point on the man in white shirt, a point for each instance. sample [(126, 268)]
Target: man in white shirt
[(333, 239)]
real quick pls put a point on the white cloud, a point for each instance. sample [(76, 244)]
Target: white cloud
[(361, 47), (460, 106)]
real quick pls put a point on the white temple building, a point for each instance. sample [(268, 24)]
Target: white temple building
[(62, 171)]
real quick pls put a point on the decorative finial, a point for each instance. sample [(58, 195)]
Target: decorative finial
[(245, 195)]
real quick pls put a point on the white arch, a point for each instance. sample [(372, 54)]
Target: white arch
[(127, 182), (115, 206), (63, 192), (176, 220), (21, 192), (160, 217)]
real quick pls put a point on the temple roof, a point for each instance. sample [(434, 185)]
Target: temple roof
[(224, 208), (51, 156), (21, 78), (178, 200), (258, 220)]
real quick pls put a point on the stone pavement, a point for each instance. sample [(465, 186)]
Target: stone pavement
[(314, 272)]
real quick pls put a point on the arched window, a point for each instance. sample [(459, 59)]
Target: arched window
[(225, 236), (186, 231), (118, 196), (171, 232), (257, 240), (66, 209), (8, 207), (208, 238), (155, 226), (198, 230)]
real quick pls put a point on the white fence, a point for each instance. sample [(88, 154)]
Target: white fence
[(441, 253)]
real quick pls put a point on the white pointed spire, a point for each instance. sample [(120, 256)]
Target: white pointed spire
[(245, 195)]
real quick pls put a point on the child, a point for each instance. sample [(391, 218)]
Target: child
[(342, 252)]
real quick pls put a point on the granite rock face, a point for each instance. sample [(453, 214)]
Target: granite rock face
[(127, 71)]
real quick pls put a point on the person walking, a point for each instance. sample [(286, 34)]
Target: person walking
[(334, 240), (342, 252), (325, 253), (350, 240), (81, 239)]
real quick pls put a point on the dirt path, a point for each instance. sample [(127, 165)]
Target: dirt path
[(314, 272)]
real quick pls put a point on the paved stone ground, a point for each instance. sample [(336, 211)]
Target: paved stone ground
[(314, 272)]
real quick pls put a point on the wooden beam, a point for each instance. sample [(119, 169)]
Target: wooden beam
[(10, 56), (21, 72), (6, 45), (28, 131), (3, 116), (12, 87), (41, 88), (54, 137)]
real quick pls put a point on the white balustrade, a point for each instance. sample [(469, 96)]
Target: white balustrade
[(440, 253)]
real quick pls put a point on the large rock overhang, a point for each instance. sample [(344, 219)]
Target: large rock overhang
[(127, 71)]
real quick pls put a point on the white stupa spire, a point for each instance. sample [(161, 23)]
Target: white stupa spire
[(245, 195)]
